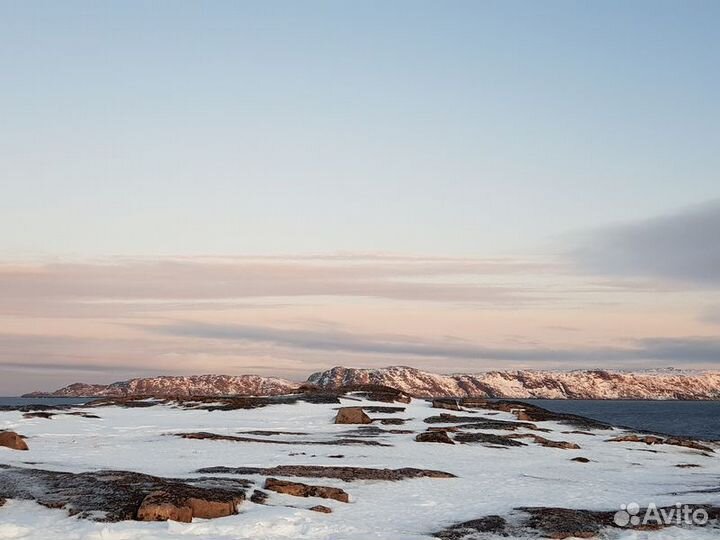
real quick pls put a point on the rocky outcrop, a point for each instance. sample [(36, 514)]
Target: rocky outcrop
[(487, 439), (167, 505), (557, 523), (202, 435), (434, 437), (352, 415), (298, 489), (10, 439), (123, 495), (347, 474), (542, 441), (320, 508), (653, 439)]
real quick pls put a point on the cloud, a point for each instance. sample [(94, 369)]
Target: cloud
[(677, 350), (188, 281), (681, 247)]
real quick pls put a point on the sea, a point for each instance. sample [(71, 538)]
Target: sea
[(695, 419)]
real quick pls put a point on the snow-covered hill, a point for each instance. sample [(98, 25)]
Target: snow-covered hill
[(195, 385), (592, 384)]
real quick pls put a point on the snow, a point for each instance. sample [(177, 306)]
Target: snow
[(490, 480)]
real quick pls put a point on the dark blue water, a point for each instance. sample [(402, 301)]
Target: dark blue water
[(696, 419), (17, 401)]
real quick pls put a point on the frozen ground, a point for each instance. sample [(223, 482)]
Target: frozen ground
[(490, 480)]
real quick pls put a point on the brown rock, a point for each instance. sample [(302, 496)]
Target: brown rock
[(258, 497), (652, 439), (162, 506), (434, 437), (2, 501), (542, 441), (352, 415), (12, 440), (449, 404), (321, 508), (580, 460), (298, 489)]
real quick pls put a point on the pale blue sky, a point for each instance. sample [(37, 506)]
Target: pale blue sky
[(476, 128), (511, 184)]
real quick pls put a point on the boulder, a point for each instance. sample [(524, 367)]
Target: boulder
[(321, 508), (12, 440), (352, 415), (434, 437), (580, 459), (164, 506), (259, 497), (297, 489)]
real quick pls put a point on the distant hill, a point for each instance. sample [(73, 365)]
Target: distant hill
[(579, 384)]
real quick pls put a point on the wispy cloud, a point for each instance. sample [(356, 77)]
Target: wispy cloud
[(679, 350), (681, 247)]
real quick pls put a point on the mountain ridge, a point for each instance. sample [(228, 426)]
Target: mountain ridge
[(666, 383)]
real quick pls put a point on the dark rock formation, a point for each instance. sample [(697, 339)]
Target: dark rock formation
[(123, 495), (673, 441), (347, 474), (434, 437), (542, 441), (297, 489), (202, 435), (321, 508), (486, 438)]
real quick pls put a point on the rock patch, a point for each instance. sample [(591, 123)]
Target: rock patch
[(434, 437), (298, 489), (352, 415), (488, 439), (10, 439), (652, 439), (347, 474), (123, 495)]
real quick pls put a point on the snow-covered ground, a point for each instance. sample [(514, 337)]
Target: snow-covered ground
[(489, 480)]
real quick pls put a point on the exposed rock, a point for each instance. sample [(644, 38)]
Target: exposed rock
[(652, 439), (297, 489), (202, 435), (259, 497), (266, 433), (392, 421), (434, 437), (39, 414), (467, 529), (580, 459), (347, 474), (352, 415), (578, 432), (475, 422), (542, 441), (321, 508), (556, 523), (446, 403), (12, 440), (486, 438), (122, 495), (560, 523), (378, 409), (687, 465), (2, 501)]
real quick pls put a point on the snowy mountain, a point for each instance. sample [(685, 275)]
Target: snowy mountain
[(195, 385), (591, 384)]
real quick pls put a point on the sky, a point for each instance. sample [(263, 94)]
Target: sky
[(279, 187)]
